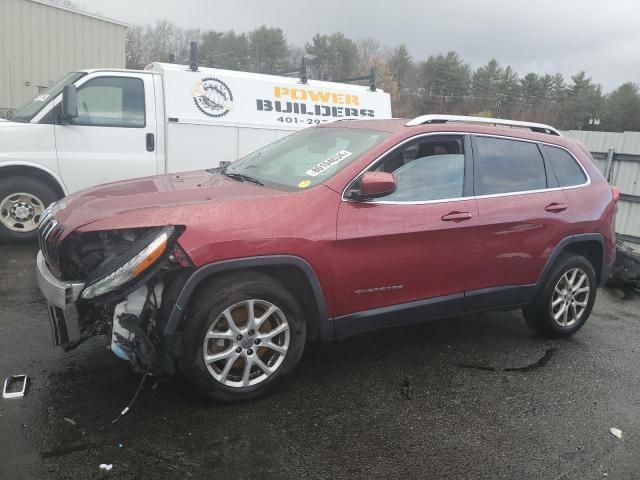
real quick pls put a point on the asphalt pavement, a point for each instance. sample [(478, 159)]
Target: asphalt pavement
[(470, 397)]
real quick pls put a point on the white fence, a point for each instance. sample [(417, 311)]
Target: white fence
[(617, 155)]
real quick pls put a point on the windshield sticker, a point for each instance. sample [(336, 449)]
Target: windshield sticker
[(41, 98), (328, 163), (304, 183)]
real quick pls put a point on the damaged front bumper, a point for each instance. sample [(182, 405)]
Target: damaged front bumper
[(126, 280), (132, 323), (133, 315), (61, 298)]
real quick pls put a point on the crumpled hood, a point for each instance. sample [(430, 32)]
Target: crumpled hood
[(149, 200)]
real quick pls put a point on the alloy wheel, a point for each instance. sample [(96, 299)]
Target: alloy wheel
[(246, 343), (570, 297)]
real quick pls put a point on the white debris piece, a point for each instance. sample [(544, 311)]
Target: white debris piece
[(616, 432), (20, 381), (106, 466)]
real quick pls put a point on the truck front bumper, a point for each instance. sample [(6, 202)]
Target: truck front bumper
[(61, 298)]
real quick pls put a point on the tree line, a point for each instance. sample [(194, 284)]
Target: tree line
[(443, 83)]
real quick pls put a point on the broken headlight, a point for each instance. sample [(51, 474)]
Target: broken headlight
[(130, 265)]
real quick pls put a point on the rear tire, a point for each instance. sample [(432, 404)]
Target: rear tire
[(219, 328), (565, 299), (22, 201)]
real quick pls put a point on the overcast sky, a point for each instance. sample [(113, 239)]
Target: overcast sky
[(544, 36)]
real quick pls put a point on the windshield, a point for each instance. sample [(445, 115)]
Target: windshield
[(30, 109), (307, 158)]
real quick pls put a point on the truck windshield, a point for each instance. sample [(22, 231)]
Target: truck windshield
[(30, 109), (305, 159)]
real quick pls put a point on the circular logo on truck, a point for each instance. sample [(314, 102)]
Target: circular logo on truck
[(212, 97)]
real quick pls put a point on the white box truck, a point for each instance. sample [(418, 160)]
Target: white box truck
[(98, 126)]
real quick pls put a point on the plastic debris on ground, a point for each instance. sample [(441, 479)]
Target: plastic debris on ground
[(106, 466), (407, 389), (616, 432), (15, 386), (626, 269)]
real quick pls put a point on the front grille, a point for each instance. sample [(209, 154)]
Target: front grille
[(49, 232)]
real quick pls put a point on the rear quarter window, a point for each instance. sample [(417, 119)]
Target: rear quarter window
[(565, 167)]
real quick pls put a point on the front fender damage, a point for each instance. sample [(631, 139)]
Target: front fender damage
[(133, 334), (138, 325), (134, 314), (134, 325)]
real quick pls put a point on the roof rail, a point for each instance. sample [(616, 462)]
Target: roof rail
[(534, 127)]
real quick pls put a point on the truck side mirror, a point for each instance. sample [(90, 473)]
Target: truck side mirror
[(69, 102)]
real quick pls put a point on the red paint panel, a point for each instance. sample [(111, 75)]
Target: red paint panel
[(514, 238), (381, 246)]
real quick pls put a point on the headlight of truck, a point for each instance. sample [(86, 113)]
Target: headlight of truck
[(132, 268)]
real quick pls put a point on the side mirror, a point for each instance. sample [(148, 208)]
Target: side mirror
[(69, 102), (376, 184)]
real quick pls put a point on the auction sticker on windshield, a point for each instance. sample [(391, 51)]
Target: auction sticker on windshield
[(328, 163)]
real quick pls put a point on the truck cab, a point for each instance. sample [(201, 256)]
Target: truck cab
[(45, 154)]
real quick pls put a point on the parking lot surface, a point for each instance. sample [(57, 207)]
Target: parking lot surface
[(470, 397)]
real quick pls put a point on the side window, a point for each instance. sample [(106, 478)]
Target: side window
[(564, 166), (431, 169), (111, 102), (505, 166), (429, 178)]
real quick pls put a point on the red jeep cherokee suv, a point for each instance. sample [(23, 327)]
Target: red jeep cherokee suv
[(346, 227)]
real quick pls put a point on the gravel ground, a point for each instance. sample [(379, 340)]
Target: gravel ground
[(487, 400)]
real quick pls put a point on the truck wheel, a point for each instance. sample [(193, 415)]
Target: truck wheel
[(22, 201), (245, 335), (565, 299)]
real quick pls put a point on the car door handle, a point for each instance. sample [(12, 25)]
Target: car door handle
[(151, 142), (556, 207), (456, 216)]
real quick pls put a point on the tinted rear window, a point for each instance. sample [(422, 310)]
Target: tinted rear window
[(564, 166), (505, 166)]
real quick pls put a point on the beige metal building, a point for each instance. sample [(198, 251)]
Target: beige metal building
[(41, 41)]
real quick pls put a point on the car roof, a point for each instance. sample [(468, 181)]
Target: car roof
[(397, 126)]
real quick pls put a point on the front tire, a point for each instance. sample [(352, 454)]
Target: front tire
[(245, 336), (565, 300), (22, 202)]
